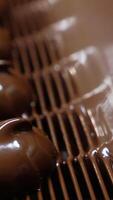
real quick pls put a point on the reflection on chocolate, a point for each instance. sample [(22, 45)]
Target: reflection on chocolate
[(106, 150), (92, 20), (104, 158), (5, 43), (26, 156), (15, 95), (88, 123)]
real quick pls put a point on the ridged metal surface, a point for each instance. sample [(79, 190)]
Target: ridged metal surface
[(59, 111)]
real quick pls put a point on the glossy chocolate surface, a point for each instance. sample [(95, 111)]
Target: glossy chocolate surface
[(79, 30), (81, 91), (26, 156), (15, 95), (105, 152), (92, 19)]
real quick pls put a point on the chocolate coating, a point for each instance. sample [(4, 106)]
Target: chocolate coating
[(15, 95), (26, 156)]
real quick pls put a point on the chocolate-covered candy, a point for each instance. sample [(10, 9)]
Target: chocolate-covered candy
[(15, 95), (5, 43), (26, 156)]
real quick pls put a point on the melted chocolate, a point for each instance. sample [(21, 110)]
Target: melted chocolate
[(15, 95), (92, 20), (94, 121), (26, 156)]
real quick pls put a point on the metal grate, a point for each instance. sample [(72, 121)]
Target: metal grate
[(74, 124), (35, 53)]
